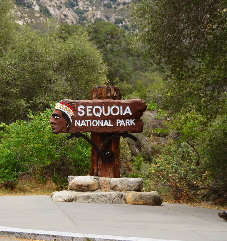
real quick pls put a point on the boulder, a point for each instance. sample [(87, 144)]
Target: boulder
[(120, 184), (143, 198), (83, 183), (101, 197), (89, 197), (64, 196), (126, 184)]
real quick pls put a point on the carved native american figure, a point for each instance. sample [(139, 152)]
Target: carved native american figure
[(61, 118)]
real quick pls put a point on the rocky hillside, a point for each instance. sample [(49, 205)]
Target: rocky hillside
[(36, 12)]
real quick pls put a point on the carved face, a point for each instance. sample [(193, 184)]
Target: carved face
[(58, 122)]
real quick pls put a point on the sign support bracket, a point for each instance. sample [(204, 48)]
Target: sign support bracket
[(105, 155)]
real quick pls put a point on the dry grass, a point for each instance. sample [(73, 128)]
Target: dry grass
[(209, 205), (168, 198), (30, 186), (200, 204)]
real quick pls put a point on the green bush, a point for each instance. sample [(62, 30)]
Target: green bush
[(30, 147), (213, 148), (107, 5), (44, 10), (177, 169), (70, 4), (23, 3)]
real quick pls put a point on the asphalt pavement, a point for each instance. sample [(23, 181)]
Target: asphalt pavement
[(40, 218)]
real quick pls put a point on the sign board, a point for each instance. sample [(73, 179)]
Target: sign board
[(104, 116)]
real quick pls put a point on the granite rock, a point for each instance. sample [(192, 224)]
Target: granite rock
[(143, 198), (89, 197), (64, 196), (126, 184), (83, 183), (101, 197)]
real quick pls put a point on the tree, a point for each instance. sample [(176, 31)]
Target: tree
[(64, 31), (6, 25), (40, 69), (188, 39), (80, 65), (116, 46), (27, 75)]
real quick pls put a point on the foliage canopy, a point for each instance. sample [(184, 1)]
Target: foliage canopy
[(188, 39), (40, 69), (119, 52)]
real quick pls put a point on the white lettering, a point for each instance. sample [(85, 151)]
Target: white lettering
[(89, 110), (99, 112), (132, 122), (77, 122), (112, 110), (83, 123), (108, 110), (88, 122), (127, 122), (103, 110), (107, 123), (121, 110), (127, 111), (81, 110), (94, 123), (120, 122), (100, 122)]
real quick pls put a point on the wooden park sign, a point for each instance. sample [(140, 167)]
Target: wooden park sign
[(107, 118)]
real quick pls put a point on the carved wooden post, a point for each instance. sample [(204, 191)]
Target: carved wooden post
[(99, 167), (107, 117)]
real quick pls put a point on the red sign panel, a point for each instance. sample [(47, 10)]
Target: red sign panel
[(104, 116)]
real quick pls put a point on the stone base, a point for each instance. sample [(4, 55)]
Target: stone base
[(142, 198), (89, 189), (89, 197), (104, 184)]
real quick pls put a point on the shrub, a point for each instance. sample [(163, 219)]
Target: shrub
[(23, 3), (107, 5), (213, 148), (44, 10), (30, 147), (177, 169)]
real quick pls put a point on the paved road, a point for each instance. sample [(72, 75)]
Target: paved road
[(38, 217)]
